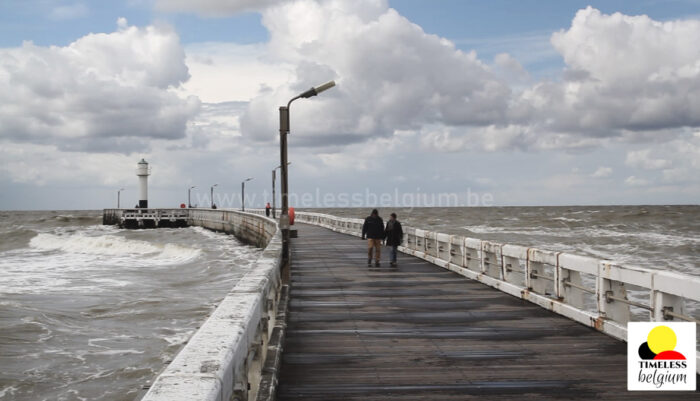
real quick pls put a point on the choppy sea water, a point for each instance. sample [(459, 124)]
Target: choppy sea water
[(92, 312)]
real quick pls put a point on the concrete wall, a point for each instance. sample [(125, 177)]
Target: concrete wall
[(248, 227), (224, 359)]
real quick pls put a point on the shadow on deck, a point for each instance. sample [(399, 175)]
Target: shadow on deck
[(418, 331)]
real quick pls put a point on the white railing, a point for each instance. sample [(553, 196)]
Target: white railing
[(125, 217), (598, 293), (154, 214)]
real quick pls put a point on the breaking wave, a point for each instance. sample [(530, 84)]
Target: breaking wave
[(111, 245)]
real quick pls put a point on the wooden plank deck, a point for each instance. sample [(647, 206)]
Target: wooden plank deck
[(420, 332)]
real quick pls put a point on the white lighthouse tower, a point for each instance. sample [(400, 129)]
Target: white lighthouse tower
[(143, 172)]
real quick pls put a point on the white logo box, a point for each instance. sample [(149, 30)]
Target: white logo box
[(659, 375)]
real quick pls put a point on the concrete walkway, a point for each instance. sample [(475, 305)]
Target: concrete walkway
[(419, 332)]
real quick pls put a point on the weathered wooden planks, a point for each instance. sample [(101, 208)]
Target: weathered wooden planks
[(419, 332)]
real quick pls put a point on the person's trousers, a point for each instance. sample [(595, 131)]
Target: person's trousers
[(394, 252), (374, 244)]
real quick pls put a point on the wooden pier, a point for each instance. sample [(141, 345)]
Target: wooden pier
[(420, 332)]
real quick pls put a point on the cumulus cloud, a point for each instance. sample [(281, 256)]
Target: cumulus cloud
[(391, 75), (626, 77), (103, 92), (623, 73), (224, 72)]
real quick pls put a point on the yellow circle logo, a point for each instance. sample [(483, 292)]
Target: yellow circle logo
[(661, 338)]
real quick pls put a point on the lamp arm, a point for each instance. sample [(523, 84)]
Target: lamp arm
[(293, 99)]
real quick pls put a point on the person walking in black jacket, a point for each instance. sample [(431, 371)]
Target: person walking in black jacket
[(394, 236), (373, 230)]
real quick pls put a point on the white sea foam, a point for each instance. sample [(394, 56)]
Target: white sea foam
[(8, 391), (111, 245), (485, 229), (177, 253), (117, 352), (100, 245), (488, 230), (82, 261), (567, 219)]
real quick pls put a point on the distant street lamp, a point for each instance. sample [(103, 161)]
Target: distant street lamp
[(213, 205), (189, 197), (274, 196), (243, 193), (284, 130), (119, 193)]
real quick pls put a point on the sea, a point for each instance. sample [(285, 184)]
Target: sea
[(93, 312)]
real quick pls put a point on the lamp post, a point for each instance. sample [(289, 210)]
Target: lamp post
[(189, 198), (119, 193), (213, 205), (243, 193), (284, 130), (274, 196)]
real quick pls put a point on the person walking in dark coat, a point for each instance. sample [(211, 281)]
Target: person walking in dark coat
[(394, 236), (373, 230)]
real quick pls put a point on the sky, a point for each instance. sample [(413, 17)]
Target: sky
[(437, 103)]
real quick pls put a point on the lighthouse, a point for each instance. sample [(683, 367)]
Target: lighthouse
[(143, 172)]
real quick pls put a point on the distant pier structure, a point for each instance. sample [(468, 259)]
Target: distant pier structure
[(145, 218), (141, 216)]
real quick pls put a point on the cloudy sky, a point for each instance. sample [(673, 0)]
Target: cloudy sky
[(527, 102)]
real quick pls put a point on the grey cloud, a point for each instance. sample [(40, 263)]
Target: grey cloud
[(103, 92), (391, 75), (625, 76), (625, 73)]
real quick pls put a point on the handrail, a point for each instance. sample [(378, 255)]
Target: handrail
[(591, 291)]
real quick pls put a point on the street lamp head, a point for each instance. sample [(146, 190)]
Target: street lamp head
[(315, 91), (325, 87), (248, 179), (215, 185), (193, 187), (121, 189)]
